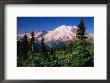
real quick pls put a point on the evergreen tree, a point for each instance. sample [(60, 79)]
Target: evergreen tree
[(81, 55), (18, 47), (43, 49), (32, 44), (25, 46), (81, 30)]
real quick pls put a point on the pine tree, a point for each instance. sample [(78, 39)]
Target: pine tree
[(32, 44), (18, 47), (25, 46), (81, 30), (81, 54), (43, 49)]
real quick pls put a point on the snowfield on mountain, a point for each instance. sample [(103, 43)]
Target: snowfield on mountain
[(62, 33)]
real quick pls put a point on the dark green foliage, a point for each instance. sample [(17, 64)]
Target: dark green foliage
[(24, 46), (81, 55), (43, 52), (32, 46), (18, 47), (77, 57), (81, 30)]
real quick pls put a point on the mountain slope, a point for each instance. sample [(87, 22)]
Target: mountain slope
[(62, 33)]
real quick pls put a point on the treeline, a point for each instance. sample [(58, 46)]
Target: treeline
[(77, 53)]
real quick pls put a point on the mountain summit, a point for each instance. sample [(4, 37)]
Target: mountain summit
[(61, 33)]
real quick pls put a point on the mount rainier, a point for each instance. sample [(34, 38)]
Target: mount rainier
[(62, 33)]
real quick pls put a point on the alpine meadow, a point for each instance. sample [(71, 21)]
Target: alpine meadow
[(55, 41)]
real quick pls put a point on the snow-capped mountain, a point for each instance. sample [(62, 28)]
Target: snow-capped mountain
[(62, 33), (37, 34)]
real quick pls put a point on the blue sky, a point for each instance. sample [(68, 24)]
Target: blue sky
[(29, 24)]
